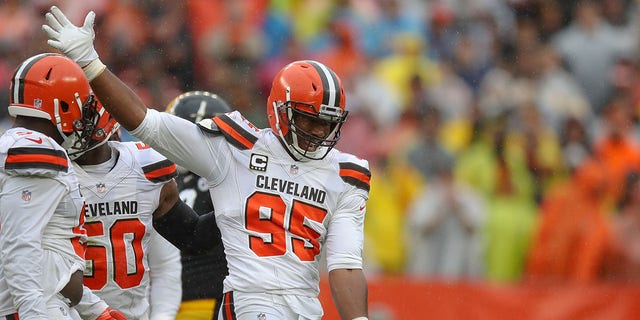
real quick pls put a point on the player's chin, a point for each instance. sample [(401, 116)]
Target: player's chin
[(308, 147)]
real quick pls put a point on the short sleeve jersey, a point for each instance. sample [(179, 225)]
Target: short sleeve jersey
[(118, 219), (40, 215)]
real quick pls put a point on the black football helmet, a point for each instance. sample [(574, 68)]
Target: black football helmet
[(197, 105)]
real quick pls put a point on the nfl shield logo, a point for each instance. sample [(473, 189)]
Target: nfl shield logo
[(26, 195), (262, 316), (101, 187), (37, 103), (293, 169)]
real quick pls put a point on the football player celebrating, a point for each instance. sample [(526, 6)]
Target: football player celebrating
[(129, 266), (41, 206), (126, 186), (282, 194), (202, 274)]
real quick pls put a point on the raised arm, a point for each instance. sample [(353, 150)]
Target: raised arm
[(124, 104), (77, 43), (178, 139)]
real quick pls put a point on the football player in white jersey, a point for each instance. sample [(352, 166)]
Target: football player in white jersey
[(41, 206), (281, 194), (202, 274), (128, 265)]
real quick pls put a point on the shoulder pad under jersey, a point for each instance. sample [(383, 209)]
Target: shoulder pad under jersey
[(354, 171), (35, 154), (238, 131), (155, 166)]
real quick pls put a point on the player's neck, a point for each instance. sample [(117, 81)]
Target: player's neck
[(43, 126)]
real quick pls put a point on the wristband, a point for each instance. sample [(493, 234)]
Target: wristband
[(361, 318), (94, 69)]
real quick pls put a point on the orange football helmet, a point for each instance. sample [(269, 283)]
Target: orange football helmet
[(310, 88), (53, 87)]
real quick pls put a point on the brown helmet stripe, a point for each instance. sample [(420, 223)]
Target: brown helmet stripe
[(17, 88), (330, 84)]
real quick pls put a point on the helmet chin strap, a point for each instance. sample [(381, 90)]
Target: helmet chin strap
[(69, 141), (294, 147), (73, 138), (77, 155), (306, 155), (56, 116)]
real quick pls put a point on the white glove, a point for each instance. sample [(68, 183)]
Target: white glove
[(76, 43)]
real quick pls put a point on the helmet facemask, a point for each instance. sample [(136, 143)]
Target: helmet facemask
[(304, 143), (88, 131), (310, 93)]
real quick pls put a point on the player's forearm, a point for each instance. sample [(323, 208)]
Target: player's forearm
[(349, 292), (90, 306), (120, 100), (188, 231)]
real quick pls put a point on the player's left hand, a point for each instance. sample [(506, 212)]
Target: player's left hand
[(75, 42)]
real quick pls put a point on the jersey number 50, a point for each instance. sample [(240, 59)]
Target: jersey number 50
[(123, 275), (265, 213)]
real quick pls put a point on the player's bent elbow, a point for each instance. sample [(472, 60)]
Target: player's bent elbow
[(188, 231)]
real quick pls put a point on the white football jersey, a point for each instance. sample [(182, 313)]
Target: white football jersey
[(118, 219), (40, 217), (275, 214)]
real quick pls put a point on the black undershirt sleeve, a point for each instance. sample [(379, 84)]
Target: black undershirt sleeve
[(188, 231)]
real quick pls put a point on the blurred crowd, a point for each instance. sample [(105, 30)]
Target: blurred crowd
[(502, 134)]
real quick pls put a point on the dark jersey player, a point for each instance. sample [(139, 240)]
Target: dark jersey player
[(202, 274)]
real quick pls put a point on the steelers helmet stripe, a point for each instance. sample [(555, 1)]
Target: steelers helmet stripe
[(17, 90), (330, 84)]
